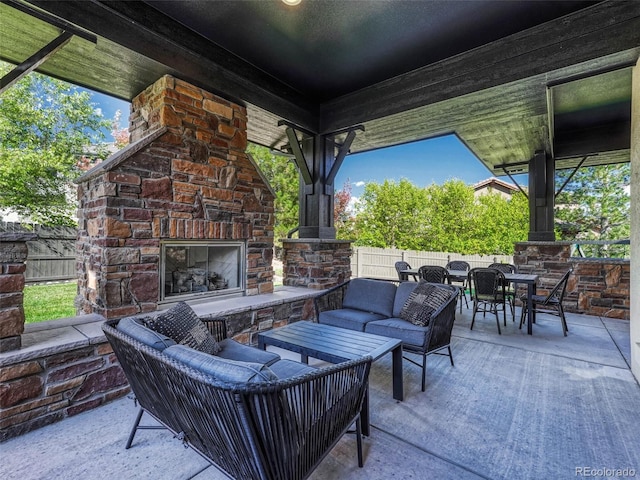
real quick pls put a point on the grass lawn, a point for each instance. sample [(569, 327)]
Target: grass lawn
[(49, 301)]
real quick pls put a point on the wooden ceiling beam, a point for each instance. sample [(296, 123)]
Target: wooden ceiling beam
[(594, 32)]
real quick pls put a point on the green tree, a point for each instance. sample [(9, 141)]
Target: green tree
[(391, 215), (343, 218), (499, 223), (283, 177), (46, 125), (441, 218), (450, 217), (594, 205)]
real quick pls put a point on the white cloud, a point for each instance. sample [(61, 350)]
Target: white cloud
[(98, 111), (359, 184)]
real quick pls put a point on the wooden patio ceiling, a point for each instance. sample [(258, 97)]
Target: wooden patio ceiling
[(509, 78)]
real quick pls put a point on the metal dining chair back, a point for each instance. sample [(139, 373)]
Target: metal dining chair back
[(462, 266), (551, 303), (504, 267), (458, 265), (488, 293), (400, 266), (510, 291), (434, 274)]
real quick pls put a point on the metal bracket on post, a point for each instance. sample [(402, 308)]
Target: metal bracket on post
[(343, 150), (303, 165)]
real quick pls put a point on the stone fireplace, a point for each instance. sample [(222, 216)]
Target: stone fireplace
[(180, 213)]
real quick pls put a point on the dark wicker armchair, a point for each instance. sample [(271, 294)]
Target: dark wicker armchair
[(434, 339), (270, 430), (462, 266), (551, 303), (509, 289), (400, 267), (488, 292)]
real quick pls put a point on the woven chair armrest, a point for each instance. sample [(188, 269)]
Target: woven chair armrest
[(442, 324), (217, 327), (330, 299)]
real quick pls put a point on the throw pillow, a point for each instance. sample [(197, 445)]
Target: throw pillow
[(425, 299), (181, 324)]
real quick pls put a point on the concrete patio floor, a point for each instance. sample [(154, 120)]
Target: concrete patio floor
[(514, 406)]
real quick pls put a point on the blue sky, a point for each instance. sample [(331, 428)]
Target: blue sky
[(423, 163)]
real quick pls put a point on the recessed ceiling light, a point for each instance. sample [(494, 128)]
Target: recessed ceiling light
[(291, 2)]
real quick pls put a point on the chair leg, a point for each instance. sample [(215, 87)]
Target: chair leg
[(523, 312), (134, 429), (450, 355), (473, 317), (359, 441), (565, 329), (504, 312), (498, 319), (424, 371)]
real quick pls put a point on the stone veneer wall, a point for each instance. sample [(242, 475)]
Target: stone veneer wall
[(316, 263), (75, 369), (13, 255), (185, 176), (43, 385), (597, 286)]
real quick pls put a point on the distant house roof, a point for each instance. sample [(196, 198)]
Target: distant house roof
[(494, 185)]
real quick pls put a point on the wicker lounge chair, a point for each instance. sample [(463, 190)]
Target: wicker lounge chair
[(268, 430)]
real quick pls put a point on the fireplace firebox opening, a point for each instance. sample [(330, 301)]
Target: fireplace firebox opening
[(196, 269)]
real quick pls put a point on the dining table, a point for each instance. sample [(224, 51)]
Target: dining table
[(531, 280)]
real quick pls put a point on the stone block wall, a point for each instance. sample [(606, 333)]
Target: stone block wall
[(13, 255), (78, 371), (39, 390), (316, 263), (597, 286), (185, 176)]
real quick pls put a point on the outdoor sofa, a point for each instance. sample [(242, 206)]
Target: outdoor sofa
[(420, 314), (247, 411)]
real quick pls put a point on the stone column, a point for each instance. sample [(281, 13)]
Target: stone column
[(316, 263), (13, 255)]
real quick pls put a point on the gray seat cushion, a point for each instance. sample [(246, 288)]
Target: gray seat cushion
[(375, 296), (220, 368), (409, 333), (348, 318), (232, 350), (182, 325), (288, 368), (136, 328)]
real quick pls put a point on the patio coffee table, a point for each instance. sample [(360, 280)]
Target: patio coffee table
[(335, 345)]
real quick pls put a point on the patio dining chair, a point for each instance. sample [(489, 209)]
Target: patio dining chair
[(488, 293), (400, 266), (463, 281), (434, 274), (551, 303), (509, 290)]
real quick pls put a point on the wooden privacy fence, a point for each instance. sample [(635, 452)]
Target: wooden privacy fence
[(379, 262), (52, 256)]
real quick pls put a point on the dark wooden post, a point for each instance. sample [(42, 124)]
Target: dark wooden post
[(541, 198), (316, 206)]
